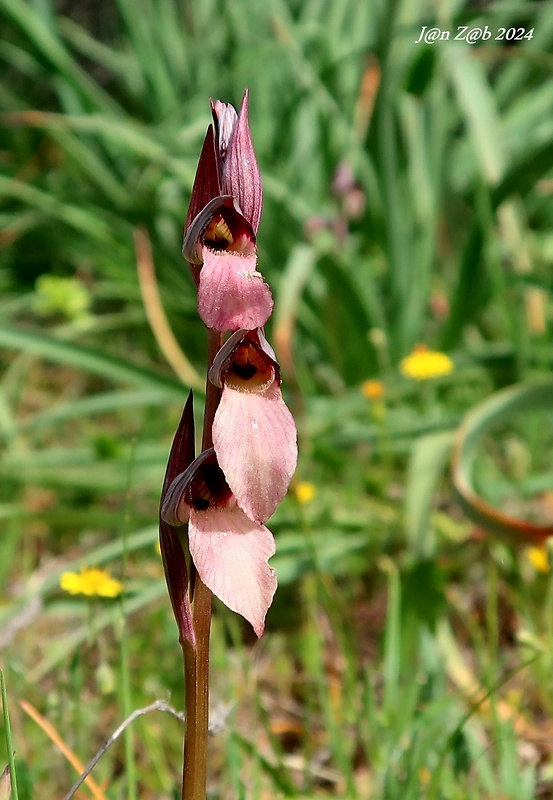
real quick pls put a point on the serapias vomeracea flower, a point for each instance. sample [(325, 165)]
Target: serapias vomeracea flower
[(230, 490), (222, 223), (229, 550), (254, 434)]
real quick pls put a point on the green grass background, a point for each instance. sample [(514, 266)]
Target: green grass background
[(390, 605)]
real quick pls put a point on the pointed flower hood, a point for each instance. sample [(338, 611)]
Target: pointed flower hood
[(254, 434), (238, 168), (229, 550), (221, 226)]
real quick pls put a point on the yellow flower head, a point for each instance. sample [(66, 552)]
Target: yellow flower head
[(422, 364), (537, 556), (91, 582), (424, 775), (305, 492), (372, 389)]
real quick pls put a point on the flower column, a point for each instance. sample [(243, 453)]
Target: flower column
[(249, 449)]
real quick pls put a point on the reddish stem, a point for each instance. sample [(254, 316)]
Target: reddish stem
[(196, 679), (196, 660)]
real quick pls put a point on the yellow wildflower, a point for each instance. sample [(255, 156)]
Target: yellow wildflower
[(373, 389), (422, 364), (424, 775), (537, 556), (91, 582), (305, 492)]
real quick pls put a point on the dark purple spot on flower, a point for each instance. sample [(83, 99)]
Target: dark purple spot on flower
[(251, 366), (208, 488), (201, 503), (245, 371)]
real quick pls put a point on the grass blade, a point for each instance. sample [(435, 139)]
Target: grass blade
[(8, 735)]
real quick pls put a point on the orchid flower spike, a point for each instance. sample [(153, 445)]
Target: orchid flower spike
[(254, 434), (222, 223), (229, 550), (226, 494)]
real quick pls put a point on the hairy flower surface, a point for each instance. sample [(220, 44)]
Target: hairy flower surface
[(229, 550), (232, 293), (254, 434), (423, 364), (91, 582)]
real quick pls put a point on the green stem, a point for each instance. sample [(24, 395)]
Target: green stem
[(126, 702), (126, 690), (8, 736), (196, 659)]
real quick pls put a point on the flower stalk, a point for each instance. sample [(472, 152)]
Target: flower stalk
[(196, 659), (214, 506), (196, 687)]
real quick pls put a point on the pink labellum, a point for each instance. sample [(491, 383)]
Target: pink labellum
[(231, 293), (231, 553), (254, 436)]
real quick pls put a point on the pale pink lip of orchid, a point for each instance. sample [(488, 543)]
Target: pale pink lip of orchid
[(229, 550), (254, 434), (232, 293), (231, 553)]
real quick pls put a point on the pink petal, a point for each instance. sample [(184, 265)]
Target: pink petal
[(232, 294), (254, 436), (231, 553)]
